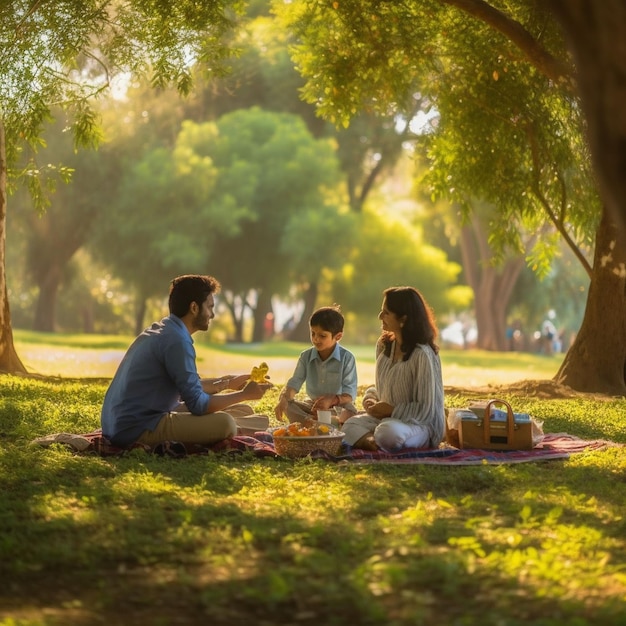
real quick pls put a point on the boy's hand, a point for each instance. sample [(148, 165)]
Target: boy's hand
[(323, 403), (280, 410)]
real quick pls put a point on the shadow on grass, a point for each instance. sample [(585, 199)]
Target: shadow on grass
[(146, 540)]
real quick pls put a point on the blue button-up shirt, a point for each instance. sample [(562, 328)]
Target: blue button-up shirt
[(336, 375), (157, 373)]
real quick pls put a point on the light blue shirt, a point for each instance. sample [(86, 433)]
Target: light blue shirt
[(336, 375), (157, 373)]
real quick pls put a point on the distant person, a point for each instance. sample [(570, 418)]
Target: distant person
[(510, 338), (405, 409), (327, 370), (157, 395), (548, 335), (268, 326), (288, 326), (514, 336)]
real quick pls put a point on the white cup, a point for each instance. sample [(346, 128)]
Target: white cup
[(323, 417)]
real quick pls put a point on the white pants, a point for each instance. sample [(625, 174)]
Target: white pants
[(389, 434)]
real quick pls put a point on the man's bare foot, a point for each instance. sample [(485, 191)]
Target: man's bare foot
[(366, 442)]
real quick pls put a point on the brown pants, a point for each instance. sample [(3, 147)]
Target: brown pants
[(240, 419)]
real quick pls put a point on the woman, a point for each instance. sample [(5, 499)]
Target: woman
[(405, 409)]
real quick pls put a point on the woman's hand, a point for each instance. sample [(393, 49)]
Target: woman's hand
[(378, 409), (368, 403)]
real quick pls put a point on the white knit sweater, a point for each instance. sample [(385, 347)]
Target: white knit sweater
[(413, 387)]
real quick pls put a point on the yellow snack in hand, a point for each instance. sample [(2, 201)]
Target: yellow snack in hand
[(258, 373)]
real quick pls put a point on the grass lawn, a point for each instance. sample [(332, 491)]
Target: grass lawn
[(151, 541), (97, 356)]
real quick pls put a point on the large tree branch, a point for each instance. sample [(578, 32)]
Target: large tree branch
[(545, 62), (559, 221)]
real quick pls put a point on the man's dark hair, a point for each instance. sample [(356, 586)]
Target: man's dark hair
[(190, 288), (328, 318)]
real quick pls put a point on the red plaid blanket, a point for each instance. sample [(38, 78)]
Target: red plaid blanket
[(553, 446)]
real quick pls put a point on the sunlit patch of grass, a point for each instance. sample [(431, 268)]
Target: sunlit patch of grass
[(97, 356)]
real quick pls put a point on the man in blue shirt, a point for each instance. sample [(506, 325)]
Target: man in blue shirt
[(157, 394)]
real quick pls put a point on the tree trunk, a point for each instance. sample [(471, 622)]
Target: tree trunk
[(238, 338), (263, 308), (596, 31), (9, 361), (237, 306), (302, 332), (596, 361), (492, 286), (45, 310), (140, 314), (88, 318), (487, 305)]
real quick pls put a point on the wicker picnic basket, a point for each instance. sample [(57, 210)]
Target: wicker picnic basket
[(483, 431), (298, 447)]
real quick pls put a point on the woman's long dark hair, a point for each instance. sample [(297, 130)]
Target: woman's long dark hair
[(419, 326)]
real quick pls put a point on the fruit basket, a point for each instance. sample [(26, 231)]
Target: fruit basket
[(298, 446)]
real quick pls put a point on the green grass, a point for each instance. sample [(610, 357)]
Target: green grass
[(97, 356), (151, 541), (71, 340)]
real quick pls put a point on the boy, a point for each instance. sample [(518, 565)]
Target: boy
[(328, 369)]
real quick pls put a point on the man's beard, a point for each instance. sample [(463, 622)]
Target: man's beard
[(201, 322)]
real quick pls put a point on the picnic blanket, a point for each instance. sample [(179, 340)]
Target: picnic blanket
[(553, 446)]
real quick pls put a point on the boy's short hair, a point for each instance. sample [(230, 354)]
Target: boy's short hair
[(328, 318)]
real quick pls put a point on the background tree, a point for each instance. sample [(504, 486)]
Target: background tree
[(392, 252), (284, 180), (54, 236), (493, 284), (61, 54), (317, 243), (516, 145), (264, 75), (162, 222), (142, 128)]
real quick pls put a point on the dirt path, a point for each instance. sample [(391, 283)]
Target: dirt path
[(98, 363)]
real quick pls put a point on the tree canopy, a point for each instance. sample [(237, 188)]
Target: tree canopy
[(271, 167), (64, 54), (494, 79), (509, 128)]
